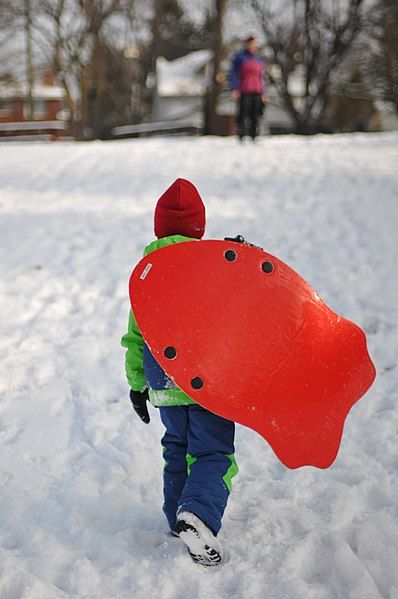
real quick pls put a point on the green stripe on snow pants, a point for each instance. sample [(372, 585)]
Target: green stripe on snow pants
[(200, 464)]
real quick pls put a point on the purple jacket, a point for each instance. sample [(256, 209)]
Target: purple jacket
[(247, 73)]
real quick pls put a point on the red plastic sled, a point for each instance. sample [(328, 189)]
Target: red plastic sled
[(247, 338)]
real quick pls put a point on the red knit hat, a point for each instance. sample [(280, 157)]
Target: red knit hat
[(180, 211)]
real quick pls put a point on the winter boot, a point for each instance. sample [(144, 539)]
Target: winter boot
[(203, 546)]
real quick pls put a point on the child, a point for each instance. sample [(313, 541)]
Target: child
[(198, 446)]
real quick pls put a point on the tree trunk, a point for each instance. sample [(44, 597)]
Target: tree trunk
[(29, 63), (214, 91)]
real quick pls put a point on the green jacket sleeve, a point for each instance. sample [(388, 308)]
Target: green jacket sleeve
[(134, 364)]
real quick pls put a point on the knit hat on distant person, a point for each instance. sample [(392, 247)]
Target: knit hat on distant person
[(180, 211)]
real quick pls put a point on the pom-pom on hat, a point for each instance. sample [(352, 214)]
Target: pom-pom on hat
[(180, 211)]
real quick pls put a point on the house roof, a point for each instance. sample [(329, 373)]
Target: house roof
[(184, 76), (40, 91)]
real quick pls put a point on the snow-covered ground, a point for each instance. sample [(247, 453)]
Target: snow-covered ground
[(80, 475)]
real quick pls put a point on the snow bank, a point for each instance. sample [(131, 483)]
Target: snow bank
[(80, 475)]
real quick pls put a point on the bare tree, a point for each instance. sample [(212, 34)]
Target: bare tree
[(307, 40), (16, 31), (220, 7), (172, 34), (79, 38), (60, 32), (27, 14), (381, 68), (11, 38)]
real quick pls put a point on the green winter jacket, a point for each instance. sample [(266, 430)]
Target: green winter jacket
[(134, 344)]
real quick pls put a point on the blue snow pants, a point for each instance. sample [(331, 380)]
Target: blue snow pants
[(198, 449)]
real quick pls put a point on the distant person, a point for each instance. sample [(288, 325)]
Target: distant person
[(247, 83)]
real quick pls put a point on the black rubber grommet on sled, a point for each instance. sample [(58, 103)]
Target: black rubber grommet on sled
[(170, 352), (197, 383), (267, 267), (230, 255)]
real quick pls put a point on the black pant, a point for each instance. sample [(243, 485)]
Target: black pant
[(250, 108)]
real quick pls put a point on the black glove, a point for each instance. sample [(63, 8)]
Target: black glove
[(139, 399)]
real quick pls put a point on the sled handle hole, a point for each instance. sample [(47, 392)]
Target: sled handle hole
[(267, 267), (170, 352), (196, 382), (230, 255)]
